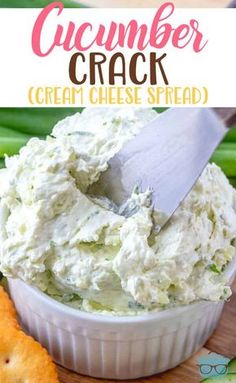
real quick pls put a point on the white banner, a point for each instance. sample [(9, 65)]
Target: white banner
[(149, 57)]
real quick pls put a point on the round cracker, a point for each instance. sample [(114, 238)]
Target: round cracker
[(8, 314), (23, 360)]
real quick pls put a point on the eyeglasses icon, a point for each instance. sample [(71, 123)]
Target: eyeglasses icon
[(206, 369)]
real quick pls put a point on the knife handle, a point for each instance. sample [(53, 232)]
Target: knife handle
[(228, 115), (232, 4)]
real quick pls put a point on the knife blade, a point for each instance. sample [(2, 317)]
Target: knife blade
[(168, 156)]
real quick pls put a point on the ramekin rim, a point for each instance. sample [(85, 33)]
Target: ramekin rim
[(104, 318)]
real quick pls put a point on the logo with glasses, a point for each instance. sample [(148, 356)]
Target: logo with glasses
[(213, 365)]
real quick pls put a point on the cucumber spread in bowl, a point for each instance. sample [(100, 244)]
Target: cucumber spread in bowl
[(87, 252)]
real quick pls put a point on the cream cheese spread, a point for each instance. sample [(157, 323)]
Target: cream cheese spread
[(93, 255)]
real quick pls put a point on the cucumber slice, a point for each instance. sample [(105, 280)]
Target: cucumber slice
[(232, 366), (229, 378)]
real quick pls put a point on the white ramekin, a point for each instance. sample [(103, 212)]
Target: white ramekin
[(116, 347)]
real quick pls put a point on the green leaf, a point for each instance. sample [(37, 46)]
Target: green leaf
[(11, 145), (34, 121), (226, 160), (233, 182), (37, 4), (231, 135), (227, 146), (2, 163), (7, 132)]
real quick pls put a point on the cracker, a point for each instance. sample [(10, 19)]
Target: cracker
[(23, 360), (7, 311)]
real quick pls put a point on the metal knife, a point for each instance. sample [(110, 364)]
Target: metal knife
[(167, 156)]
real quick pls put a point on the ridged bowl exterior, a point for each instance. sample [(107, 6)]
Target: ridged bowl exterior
[(115, 347)]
